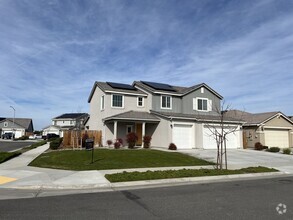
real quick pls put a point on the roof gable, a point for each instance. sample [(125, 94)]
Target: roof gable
[(174, 90), (106, 87)]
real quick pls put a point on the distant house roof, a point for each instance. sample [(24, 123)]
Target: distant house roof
[(134, 115), (176, 90), (106, 87), (254, 118), (71, 116), (26, 123), (196, 117)]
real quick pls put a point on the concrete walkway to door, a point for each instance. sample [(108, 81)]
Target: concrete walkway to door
[(240, 158)]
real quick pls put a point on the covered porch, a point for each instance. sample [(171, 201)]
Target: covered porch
[(118, 126)]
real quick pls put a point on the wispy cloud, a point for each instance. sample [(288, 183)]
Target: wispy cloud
[(53, 51)]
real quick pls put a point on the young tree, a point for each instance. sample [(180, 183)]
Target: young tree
[(220, 130)]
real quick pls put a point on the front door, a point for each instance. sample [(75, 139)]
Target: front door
[(139, 134)]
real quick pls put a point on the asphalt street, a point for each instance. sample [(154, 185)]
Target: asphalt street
[(8, 145), (250, 199)]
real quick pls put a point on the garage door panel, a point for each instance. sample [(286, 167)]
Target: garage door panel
[(277, 138), (209, 139), (183, 136)]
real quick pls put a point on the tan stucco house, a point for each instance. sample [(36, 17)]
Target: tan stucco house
[(272, 129), (167, 113)]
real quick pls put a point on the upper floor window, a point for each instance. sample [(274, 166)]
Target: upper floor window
[(166, 102), (5, 124), (102, 102), (202, 104), (117, 101), (140, 102)]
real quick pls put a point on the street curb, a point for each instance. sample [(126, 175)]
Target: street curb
[(156, 183)]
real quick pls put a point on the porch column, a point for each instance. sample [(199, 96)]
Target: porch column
[(143, 131), (115, 130)]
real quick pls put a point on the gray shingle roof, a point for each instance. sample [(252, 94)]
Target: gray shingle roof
[(134, 115), (26, 123), (196, 117), (179, 90), (71, 115), (251, 118), (106, 87)]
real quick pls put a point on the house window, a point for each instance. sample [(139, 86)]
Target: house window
[(166, 102), (5, 124), (140, 101), (102, 102), (129, 129), (202, 104), (117, 101)]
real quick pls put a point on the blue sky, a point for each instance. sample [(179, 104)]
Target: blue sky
[(51, 52)]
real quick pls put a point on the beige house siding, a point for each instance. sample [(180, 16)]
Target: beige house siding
[(279, 122)]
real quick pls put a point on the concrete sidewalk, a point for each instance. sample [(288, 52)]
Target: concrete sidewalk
[(16, 174)]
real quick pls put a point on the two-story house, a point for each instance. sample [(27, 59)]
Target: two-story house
[(67, 121), (169, 114)]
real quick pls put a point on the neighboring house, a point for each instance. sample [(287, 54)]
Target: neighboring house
[(67, 121), (272, 129), (169, 114), (20, 127)]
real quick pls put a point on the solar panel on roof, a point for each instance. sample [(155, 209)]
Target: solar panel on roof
[(159, 86), (121, 86)]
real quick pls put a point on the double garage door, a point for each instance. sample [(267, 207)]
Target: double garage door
[(209, 141), (184, 137), (276, 138)]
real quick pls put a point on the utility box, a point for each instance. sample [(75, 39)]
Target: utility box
[(89, 144)]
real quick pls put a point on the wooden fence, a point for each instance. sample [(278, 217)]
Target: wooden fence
[(75, 138)]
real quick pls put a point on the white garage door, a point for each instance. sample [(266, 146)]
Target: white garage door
[(277, 138), (183, 136), (209, 141)]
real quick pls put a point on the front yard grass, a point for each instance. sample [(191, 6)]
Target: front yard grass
[(167, 174), (105, 159), (4, 156)]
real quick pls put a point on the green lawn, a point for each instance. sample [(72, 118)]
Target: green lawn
[(105, 159), (167, 174), (4, 156)]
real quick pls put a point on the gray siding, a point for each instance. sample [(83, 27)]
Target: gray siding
[(187, 102), (176, 104)]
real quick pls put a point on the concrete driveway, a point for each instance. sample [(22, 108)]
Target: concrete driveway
[(246, 157)]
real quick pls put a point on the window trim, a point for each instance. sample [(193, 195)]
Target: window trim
[(102, 107), (131, 128), (119, 107), (5, 124), (142, 102), (167, 96), (202, 110)]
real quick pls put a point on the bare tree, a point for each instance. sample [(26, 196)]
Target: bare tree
[(220, 129)]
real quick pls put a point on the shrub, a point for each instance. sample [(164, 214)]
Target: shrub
[(287, 151), (147, 141), (258, 146), (131, 139), (109, 142), (120, 141), (117, 145), (274, 149), (55, 144), (172, 146)]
